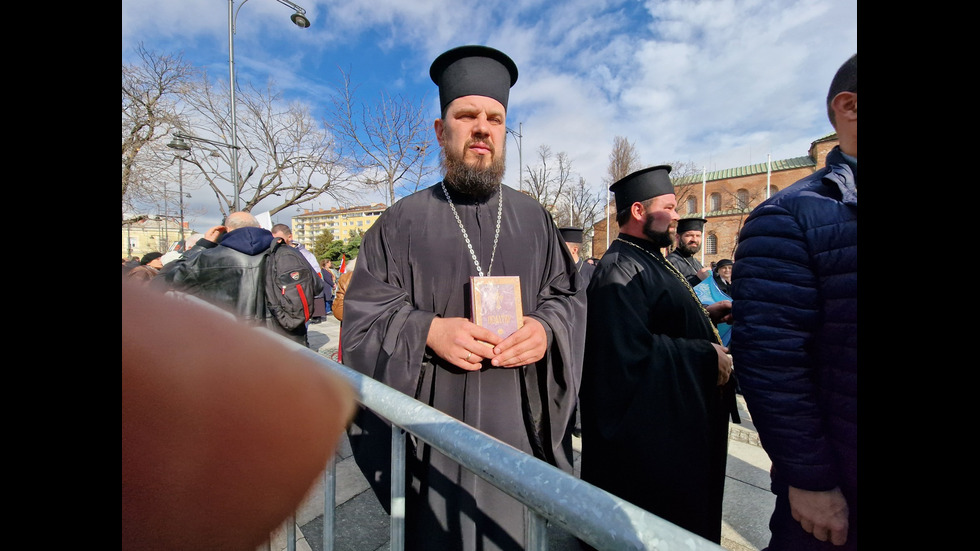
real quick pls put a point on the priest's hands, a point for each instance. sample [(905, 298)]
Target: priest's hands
[(524, 346), (457, 340), (724, 363)]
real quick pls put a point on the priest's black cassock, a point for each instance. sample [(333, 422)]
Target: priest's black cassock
[(654, 421), (413, 265)]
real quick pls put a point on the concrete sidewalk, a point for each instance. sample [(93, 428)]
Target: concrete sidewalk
[(362, 525)]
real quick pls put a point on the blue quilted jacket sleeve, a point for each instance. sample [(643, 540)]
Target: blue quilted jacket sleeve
[(794, 337)]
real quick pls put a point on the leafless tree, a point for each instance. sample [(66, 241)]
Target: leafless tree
[(284, 154), (389, 141), (684, 170), (623, 159), (151, 91), (579, 205), (546, 182)]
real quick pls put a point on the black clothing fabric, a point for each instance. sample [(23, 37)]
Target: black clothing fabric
[(654, 420), (414, 265), (586, 270), (231, 275), (201, 245), (724, 287), (687, 265)]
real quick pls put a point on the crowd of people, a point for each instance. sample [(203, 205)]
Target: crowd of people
[(641, 352)]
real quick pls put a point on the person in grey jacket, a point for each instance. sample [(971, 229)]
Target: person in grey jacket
[(794, 339)]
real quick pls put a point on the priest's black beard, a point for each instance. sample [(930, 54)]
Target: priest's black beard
[(660, 239), (688, 250), (475, 182)]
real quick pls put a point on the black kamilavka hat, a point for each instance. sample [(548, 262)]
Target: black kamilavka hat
[(690, 224), (473, 71), (642, 185), (571, 235)]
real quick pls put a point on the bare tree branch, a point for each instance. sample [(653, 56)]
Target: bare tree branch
[(151, 91), (284, 156), (623, 160), (388, 140)]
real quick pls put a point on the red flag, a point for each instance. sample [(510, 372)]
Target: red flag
[(343, 263)]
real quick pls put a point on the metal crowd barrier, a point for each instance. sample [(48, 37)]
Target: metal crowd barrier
[(595, 516)]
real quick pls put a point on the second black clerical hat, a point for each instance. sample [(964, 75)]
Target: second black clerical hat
[(690, 224), (642, 185), (473, 71), (571, 235)]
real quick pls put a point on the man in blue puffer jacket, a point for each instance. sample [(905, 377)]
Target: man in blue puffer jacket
[(794, 338)]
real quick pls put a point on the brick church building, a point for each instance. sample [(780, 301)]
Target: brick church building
[(729, 196)]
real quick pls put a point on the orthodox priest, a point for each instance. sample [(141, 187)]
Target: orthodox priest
[(573, 239), (407, 318), (655, 395), (688, 238)]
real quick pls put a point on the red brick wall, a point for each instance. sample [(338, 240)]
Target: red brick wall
[(726, 223)]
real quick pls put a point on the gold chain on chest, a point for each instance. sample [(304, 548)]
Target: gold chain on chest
[(672, 269)]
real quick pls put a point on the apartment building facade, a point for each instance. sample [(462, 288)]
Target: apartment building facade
[(725, 198), (143, 234), (339, 221)]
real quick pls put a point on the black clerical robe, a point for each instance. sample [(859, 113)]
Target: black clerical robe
[(414, 265), (654, 421), (585, 269), (687, 265)]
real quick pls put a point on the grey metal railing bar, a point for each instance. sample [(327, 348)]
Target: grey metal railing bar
[(329, 504), (593, 515), (398, 466)]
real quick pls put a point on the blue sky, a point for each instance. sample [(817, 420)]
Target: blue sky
[(720, 83)]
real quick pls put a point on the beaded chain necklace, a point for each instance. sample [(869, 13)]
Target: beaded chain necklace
[(687, 260), (500, 210), (670, 268)]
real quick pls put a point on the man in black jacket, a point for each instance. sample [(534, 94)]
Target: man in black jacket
[(231, 274)]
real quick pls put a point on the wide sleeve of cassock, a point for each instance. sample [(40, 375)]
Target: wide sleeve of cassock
[(383, 333), (556, 379)]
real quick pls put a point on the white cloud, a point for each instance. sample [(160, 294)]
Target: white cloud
[(722, 83)]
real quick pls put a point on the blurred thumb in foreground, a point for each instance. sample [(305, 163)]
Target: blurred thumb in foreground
[(225, 427)]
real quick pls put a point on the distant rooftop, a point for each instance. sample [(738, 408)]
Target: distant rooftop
[(335, 210), (758, 168)]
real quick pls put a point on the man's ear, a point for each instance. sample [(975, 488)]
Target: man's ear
[(438, 128), (845, 106), (638, 211)]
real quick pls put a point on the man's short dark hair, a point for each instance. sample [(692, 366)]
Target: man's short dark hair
[(282, 228), (846, 80), (623, 216)]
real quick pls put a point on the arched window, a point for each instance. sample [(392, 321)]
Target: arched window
[(692, 205), (742, 199), (715, 202), (711, 244)]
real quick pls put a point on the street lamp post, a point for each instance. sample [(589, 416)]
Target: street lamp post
[(179, 144), (180, 185), (520, 156), (166, 218), (300, 19)]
